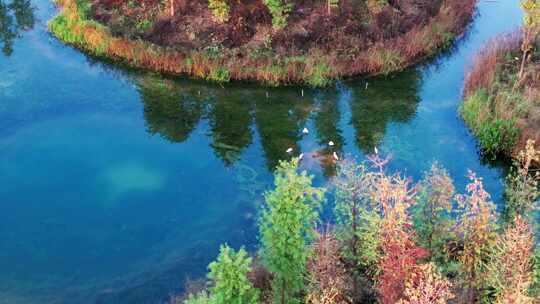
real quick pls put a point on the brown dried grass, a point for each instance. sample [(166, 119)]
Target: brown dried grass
[(387, 56)]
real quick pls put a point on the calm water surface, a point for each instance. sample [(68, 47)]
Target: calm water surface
[(117, 186)]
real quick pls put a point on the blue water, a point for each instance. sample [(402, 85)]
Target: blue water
[(118, 185)]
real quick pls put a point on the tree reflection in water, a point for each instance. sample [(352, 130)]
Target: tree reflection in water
[(385, 100), (16, 17), (174, 109)]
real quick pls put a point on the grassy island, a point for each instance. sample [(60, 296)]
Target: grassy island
[(272, 41)]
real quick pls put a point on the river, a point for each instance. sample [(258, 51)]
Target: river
[(118, 185)]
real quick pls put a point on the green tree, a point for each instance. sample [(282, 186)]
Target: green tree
[(229, 282), (279, 9), (432, 215), (286, 228), (358, 222)]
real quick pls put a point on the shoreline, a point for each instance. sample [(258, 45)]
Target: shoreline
[(498, 107), (73, 27)]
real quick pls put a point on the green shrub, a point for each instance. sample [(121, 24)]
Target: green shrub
[(229, 282), (229, 278), (318, 76), (221, 74), (143, 25), (279, 9), (495, 135), (220, 9), (390, 60), (84, 7)]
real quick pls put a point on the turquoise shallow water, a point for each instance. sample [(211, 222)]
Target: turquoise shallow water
[(117, 186)]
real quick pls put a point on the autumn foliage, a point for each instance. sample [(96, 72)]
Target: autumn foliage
[(248, 48), (427, 286), (394, 241)]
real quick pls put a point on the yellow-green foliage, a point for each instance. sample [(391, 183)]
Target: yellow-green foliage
[(220, 9), (319, 75), (375, 6), (531, 8), (509, 269), (521, 191), (279, 9)]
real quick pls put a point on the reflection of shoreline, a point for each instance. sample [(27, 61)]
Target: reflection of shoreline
[(174, 108), (380, 102), (15, 18)]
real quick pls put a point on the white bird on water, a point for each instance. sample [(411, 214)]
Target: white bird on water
[(305, 131), (331, 143), (301, 156), (376, 151), (289, 150), (336, 157)]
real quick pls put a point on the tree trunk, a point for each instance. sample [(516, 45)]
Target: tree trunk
[(523, 61), (283, 292), (172, 7)]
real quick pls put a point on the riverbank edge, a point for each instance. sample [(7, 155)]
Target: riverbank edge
[(494, 102), (74, 27)]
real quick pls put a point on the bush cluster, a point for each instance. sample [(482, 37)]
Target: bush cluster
[(392, 241)]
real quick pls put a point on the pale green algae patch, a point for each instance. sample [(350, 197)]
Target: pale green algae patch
[(126, 178)]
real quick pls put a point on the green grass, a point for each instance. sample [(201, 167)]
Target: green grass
[(319, 75), (494, 134), (220, 74)]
